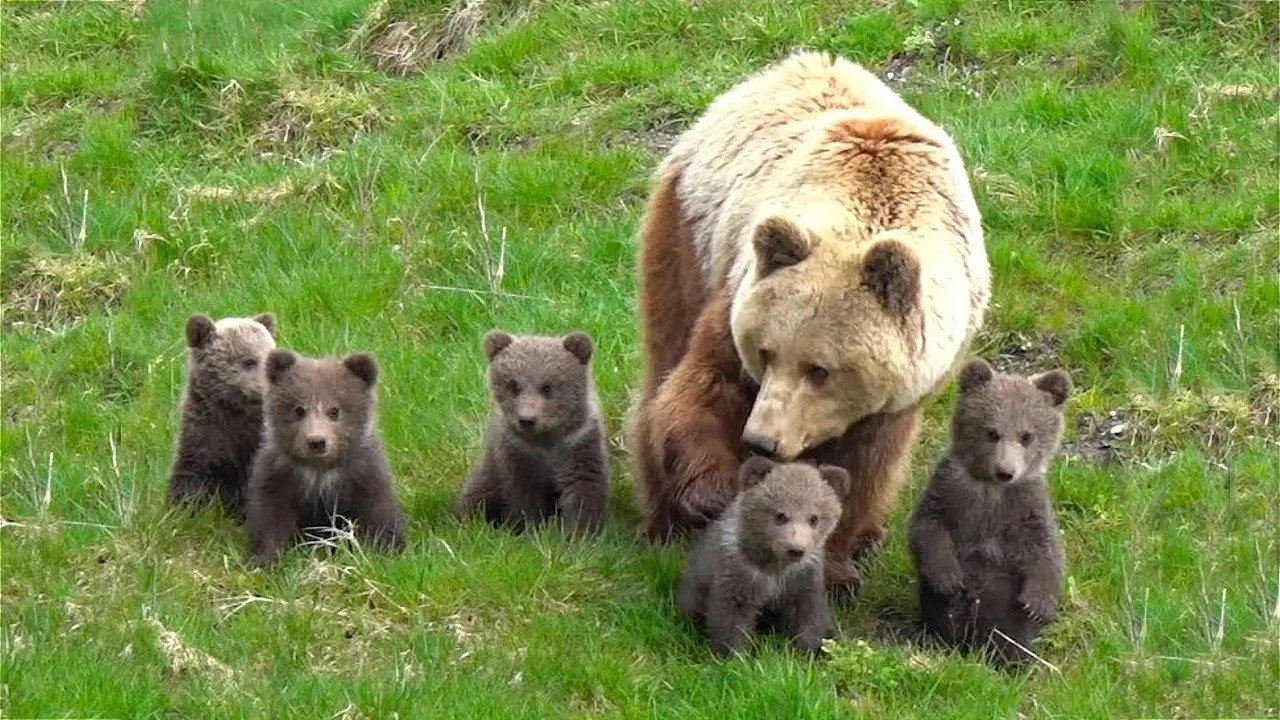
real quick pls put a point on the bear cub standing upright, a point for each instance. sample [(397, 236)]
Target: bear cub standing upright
[(760, 564), (221, 409), (544, 451), (322, 458), (984, 538)]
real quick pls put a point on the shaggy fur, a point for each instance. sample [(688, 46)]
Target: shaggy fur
[(544, 449), (322, 461), (812, 267), (760, 564), (984, 537), (221, 409)]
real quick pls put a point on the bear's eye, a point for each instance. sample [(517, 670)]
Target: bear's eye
[(780, 518), (993, 436), (813, 521), (546, 390), (333, 413), (299, 412), (249, 363), (766, 357), (513, 387), (816, 375), (1025, 439)]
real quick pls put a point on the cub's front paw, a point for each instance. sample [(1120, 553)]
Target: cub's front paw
[(844, 580), (1040, 606)]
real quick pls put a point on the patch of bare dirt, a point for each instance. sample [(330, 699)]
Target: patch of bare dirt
[(1027, 354), (1097, 437), (930, 46)]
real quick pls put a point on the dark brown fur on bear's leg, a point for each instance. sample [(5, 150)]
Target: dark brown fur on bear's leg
[(692, 431), (875, 453), (272, 524)]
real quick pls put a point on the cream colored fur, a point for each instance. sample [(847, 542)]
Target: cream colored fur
[(823, 144)]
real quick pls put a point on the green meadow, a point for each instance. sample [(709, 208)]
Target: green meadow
[(401, 176)]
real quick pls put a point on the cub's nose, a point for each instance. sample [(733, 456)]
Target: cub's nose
[(759, 444), (794, 553), (527, 422), (1004, 476), (317, 444)]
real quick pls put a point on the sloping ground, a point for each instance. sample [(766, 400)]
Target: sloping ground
[(401, 176)]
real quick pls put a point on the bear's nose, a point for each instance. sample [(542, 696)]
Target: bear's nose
[(795, 553), (1004, 476), (528, 421), (759, 444), (317, 444)]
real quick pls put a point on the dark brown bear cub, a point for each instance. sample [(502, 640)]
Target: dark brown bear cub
[(321, 462), (984, 538), (544, 451), (761, 563), (221, 409)]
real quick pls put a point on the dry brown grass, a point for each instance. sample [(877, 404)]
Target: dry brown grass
[(401, 42)]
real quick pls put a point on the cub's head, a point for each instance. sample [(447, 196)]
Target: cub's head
[(829, 330), (1005, 427), (318, 408), (541, 385), (226, 357), (787, 511)]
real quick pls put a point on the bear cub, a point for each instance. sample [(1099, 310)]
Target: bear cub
[(221, 425), (322, 458), (544, 452), (984, 538), (760, 564)]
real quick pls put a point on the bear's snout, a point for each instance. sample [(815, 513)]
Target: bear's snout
[(758, 443), (1008, 463), (317, 444)]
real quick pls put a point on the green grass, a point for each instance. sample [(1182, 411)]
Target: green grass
[(233, 158)]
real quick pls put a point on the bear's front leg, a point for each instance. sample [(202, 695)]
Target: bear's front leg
[(692, 428), (731, 614)]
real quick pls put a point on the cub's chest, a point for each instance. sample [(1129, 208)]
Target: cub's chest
[(318, 484)]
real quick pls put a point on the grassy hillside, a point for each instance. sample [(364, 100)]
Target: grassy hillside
[(400, 177)]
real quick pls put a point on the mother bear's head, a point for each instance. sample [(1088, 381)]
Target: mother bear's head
[(831, 328)]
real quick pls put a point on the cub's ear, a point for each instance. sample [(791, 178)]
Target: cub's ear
[(363, 366), (975, 374), (579, 345), (753, 470), (268, 321), (1056, 383), (200, 330), (891, 271), (779, 243), (278, 363), (838, 478), (495, 341)]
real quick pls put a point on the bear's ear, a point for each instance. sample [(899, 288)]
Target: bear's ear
[(753, 470), (495, 341), (268, 321), (892, 273), (363, 366), (1056, 383), (579, 345), (278, 363), (779, 243), (838, 478), (200, 330), (975, 373)]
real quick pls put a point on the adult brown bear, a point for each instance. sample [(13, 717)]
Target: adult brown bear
[(812, 268)]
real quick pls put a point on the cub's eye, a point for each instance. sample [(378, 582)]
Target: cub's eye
[(333, 413), (513, 387), (780, 518), (813, 521), (299, 412), (1025, 439), (816, 375), (249, 363), (766, 357), (546, 389), (993, 436)]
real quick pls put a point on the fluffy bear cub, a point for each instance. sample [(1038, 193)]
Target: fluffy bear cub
[(221, 409), (322, 459), (761, 563), (984, 538), (544, 451)]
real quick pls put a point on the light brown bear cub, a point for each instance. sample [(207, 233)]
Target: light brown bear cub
[(221, 409), (322, 459), (761, 563), (984, 538), (544, 449)]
